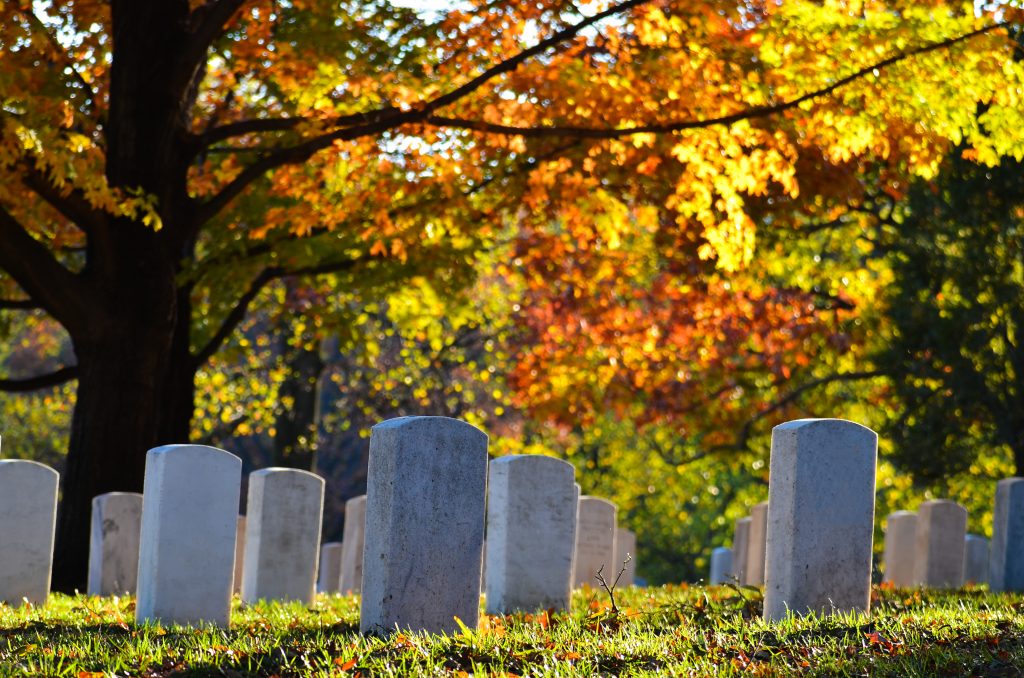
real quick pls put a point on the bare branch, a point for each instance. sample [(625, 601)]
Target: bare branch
[(60, 376)]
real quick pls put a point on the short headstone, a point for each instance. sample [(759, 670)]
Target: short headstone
[(625, 545), (239, 555), (721, 566), (114, 543), (1006, 559), (975, 559), (28, 516), (352, 545), (757, 542), (330, 567), (821, 506), (900, 540), (425, 499), (531, 530), (282, 535), (740, 544), (939, 544), (595, 541), (187, 541)]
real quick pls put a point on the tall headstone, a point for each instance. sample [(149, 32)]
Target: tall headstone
[(187, 541), (898, 557), (757, 542), (28, 515), (426, 491), (595, 541), (352, 545), (114, 543), (282, 535), (939, 544), (330, 567), (740, 544), (531, 529), (625, 544), (721, 566), (821, 507), (975, 559), (1006, 559), (239, 555)]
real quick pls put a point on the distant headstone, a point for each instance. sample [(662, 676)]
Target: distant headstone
[(721, 566), (239, 555), (740, 544), (1006, 564), (424, 534), (939, 544), (821, 506), (757, 542), (531, 529), (330, 567), (975, 559), (187, 541), (625, 544), (595, 541), (900, 540), (114, 543), (28, 515), (352, 545)]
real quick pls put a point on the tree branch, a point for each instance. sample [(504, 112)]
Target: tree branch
[(18, 305), (74, 207), (60, 376)]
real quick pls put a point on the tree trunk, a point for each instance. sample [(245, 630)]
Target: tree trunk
[(297, 428)]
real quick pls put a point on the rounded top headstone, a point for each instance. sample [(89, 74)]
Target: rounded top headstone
[(26, 468), (539, 463), (825, 423), (428, 424), (204, 453), (286, 471), (596, 500)]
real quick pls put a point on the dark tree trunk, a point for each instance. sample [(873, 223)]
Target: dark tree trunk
[(297, 428)]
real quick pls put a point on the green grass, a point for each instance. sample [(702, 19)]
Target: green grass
[(671, 630)]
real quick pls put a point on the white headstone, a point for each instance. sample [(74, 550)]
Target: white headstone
[(625, 544), (531, 529), (1006, 561), (187, 541), (425, 497), (330, 567), (352, 541), (975, 559), (595, 541), (721, 566), (898, 558), (757, 542), (114, 543), (239, 555), (939, 544), (740, 544), (821, 507), (28, 515)]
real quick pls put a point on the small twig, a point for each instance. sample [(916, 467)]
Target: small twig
[(611, 589)]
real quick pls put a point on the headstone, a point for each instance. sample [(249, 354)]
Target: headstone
[(352, 545), (721, 566), (757, 542), (740, 544), (898, 557), (595, 541), (1006, 559), (939, 544), (187, 541), (821, 507), (426, 491), (975, 559), (282, 535), (625, 545), (531, 529), (330, 567), (28, 516), (239, 555), (114, 543)]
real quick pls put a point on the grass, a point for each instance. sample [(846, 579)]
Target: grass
[(669, 630)]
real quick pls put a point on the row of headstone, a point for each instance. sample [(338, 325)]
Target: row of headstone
[(927, 548)]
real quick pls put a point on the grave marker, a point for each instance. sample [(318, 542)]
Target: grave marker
[(625, 544), (114, 543), (939, 544), (28, 515), (330, 567), (900, 540), (352, 545), (1006, 558), (595, 541), (757, 542), (975, 559), (721, 566)]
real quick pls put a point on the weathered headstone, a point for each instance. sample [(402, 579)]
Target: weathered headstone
[(1006, 559), (757, 542), (424, 533), (239, 555), (595, 541), (353, 539), (28, 514), (975, 559), (625, 544), (740, 544), (531, 530), (939, 544), (187, 541), (721, 566), (900, 540), (282, 535), (821, 506), (330, 567), (114, 543)]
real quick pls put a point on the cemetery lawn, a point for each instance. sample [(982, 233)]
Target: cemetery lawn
[(671, 630)]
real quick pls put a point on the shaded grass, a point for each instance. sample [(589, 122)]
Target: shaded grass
[(670, 630)]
